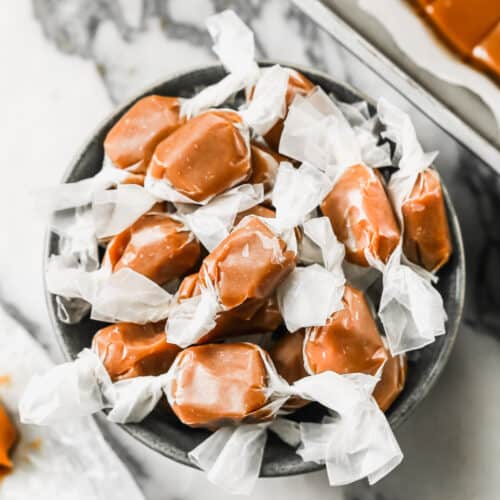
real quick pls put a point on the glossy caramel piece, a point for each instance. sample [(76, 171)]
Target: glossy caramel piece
[(247, 265), (298, 84), (218, 384), (287, 356), (426, 235), (463, 23), (133, 138), (129, 350), (8, 437), (392, 381), (487, 51), (156, 246), (132, 178), (349, 342), (361, 215), (256, 317), (258, 210), (265, 164), (205, 157)]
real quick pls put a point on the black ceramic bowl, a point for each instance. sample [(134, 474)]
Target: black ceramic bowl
[(167, 435)]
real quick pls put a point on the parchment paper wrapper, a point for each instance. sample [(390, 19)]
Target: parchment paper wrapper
[(212, 222), (235, 47), (309, 295), (357, 443), (70, 461), (80, 193)]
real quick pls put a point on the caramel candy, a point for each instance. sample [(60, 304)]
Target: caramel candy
[(258, 210), (257, 317), (137, 179), (218, 384), (132, 140), (287, 356), (205, 157), (297, 84), (156, 246), (248, 265), (128, 350), (392, 381), (265, 164), (349, 342), (361, 215), (487, 51), (464, 23), (8, 437), (426, 235), (288, 359)]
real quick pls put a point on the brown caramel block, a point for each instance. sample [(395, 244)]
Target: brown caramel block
[(258, 210), (426, 238), (257, 317), (128, 350), (392, 381), (132, 140), (247, 265), (205, 157), (156, 246), (349, 342), (361, 215), (8, 437), (265, 163), (218, 384), (487, 51), (137, 179), (288, 359), (298, 84), (463, 23)]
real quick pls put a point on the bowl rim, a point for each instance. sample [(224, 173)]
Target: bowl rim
[(451, 330)]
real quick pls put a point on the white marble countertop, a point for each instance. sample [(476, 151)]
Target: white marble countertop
[(67, 64)]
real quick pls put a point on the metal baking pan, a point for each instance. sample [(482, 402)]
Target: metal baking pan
[(342, 20)]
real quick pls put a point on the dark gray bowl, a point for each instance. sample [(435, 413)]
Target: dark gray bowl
[(164, 433)]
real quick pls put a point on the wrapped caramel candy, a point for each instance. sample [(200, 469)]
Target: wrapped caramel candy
[(133, 138), (392, 381), (349, 342), (426, 235), (248, 265), (130, 350), (205, 157), (265, 164), (156, 246), (361, 215), (242, 320), (8, 437), (258, 210), (416, 193), (298, 84), (288, 358), (218, 384)]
